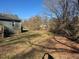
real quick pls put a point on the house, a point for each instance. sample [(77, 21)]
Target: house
[(9, 24)]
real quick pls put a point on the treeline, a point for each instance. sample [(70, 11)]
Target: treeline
[(36, 23), (66, 13), (64, 19)]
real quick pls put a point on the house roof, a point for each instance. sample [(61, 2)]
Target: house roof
[(9, 17)]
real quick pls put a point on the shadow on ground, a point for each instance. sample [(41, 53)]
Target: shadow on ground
[(38, 54)]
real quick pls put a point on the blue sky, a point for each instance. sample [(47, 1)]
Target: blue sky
[(23, 8)]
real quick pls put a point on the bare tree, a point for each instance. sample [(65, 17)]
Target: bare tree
[(33, 23), (66, 12)]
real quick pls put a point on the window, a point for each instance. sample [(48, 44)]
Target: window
[(13, 23)]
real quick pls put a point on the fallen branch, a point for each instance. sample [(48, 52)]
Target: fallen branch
[(54, 49), (72, 47)]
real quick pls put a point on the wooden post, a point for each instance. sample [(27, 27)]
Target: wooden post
[(1, 31)]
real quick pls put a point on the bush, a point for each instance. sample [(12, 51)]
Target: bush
[(69, 29)]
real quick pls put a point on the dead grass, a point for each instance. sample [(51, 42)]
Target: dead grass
[(20, 47), (18, 44)]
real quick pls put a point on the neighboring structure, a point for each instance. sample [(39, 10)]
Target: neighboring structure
[(24, 27), (9, 24), (44, 26)]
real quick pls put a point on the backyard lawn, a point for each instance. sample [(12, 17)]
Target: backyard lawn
[(12, 46)]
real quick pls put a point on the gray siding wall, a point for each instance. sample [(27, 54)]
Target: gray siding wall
[(17, 25)]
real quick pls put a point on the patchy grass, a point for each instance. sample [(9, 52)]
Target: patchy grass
[(19, 38), (18, 47), (17, 44)]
